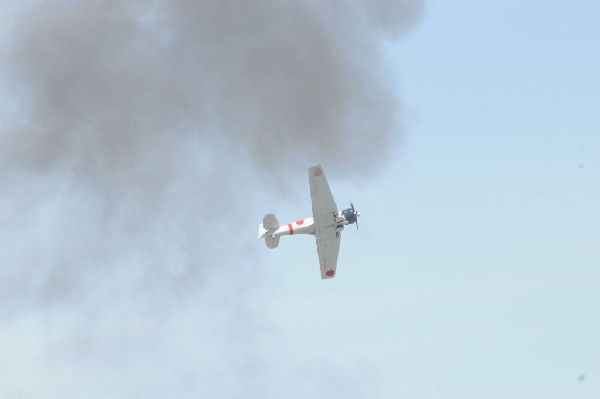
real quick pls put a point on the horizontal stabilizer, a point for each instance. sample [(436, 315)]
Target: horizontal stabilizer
[(272, 242), (270, 222), (268, 226)]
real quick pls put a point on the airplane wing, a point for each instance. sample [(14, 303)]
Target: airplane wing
[(325, 213), (328, 247)]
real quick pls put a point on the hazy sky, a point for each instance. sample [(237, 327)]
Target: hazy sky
[(141, 146), (475, 272)]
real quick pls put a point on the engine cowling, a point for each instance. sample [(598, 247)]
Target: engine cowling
[(350, 215)]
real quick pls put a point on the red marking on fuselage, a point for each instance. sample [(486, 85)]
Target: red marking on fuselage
[(329, 273), (300, 222), (291, 228), (318, 172)]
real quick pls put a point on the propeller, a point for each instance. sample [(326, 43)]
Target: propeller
[(356, 214)]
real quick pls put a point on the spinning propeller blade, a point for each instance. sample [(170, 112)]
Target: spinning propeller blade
[(355, 214)]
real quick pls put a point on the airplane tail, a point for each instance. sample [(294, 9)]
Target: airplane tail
[(269, 225), (272, 242)]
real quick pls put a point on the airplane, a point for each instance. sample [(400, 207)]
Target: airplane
[(326, 223)]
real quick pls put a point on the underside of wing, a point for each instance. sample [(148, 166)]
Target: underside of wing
[(325, 215), (328, 247), (320, 194)]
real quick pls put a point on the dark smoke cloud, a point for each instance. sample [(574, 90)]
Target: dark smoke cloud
[(141, 133), (281, 81)]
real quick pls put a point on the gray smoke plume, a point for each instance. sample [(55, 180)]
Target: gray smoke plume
[(139, 133)]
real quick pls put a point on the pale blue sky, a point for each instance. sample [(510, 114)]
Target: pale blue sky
[(476, 269), (475, 272)]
